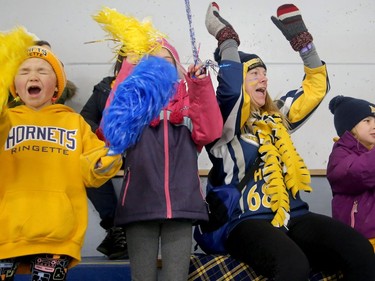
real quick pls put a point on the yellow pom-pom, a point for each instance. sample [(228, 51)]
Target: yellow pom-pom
[(136, 38), (13, 51)]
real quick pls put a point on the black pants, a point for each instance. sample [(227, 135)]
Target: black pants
[(313, 241), (104, 200)]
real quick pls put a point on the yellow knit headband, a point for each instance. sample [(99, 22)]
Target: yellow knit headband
[(48, 56)]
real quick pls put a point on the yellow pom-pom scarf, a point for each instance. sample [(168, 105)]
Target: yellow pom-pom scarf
[(284, 169), (136, 38)]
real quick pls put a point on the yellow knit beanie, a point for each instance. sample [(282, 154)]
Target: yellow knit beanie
[(50, 57)]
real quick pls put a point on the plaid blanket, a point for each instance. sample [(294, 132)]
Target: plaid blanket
[(222, 268)]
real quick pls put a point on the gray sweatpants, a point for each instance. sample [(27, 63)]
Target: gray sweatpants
[(143, 246)]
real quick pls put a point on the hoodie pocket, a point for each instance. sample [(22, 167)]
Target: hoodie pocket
[(36, 214)]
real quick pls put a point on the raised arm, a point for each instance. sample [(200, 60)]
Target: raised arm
[(299, 104)]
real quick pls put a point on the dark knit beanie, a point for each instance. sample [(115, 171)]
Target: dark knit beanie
[(348, 112), (244, 57), (255, 61)]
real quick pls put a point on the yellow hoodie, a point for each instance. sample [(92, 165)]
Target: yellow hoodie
[(47, 158)]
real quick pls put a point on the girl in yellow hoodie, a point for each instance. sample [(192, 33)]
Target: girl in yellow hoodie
[(48, 156)]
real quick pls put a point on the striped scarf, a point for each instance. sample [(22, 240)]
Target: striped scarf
[(284, 169)]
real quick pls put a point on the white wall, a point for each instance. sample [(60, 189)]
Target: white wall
[(343, 34)]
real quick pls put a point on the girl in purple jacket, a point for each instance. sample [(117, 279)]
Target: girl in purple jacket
[(161, 197), (351, 169)]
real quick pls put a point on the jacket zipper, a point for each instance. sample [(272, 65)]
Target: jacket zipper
[(125, 190), (353, 212), (166, 166)]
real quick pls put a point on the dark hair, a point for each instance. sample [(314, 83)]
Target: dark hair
[(42, 43)]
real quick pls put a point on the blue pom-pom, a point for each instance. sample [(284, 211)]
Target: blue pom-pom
[(137, 101)]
